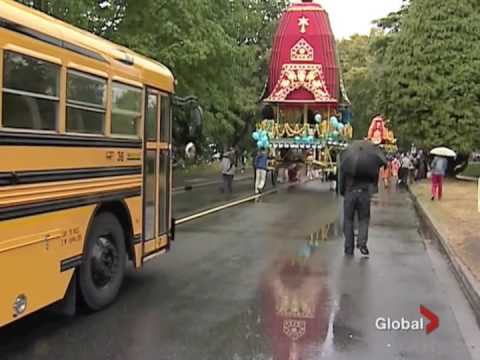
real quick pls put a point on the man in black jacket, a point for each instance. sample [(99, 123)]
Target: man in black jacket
[(357, 191)]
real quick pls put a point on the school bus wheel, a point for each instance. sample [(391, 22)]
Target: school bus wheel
[(101, 274)]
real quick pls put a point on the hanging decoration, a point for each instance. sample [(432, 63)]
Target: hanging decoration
[(298, 76)]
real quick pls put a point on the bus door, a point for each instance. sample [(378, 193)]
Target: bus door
[(157, 170)]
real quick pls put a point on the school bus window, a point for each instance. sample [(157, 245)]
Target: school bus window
[(126, 109), (151, 117), (30, 92), (165, 123), (86, 103)]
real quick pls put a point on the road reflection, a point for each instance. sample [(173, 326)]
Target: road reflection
[(299, 310)]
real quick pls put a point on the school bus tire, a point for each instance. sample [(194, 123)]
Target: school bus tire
[(101, 273)]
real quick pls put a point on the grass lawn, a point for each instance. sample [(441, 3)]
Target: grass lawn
[(199, 170), (472, 170)]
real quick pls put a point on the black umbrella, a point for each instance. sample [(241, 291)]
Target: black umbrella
[(363, 160)]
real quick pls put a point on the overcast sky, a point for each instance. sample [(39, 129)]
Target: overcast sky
[(355, 16)]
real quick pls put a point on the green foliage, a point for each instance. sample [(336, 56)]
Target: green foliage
[(99, 17), (356, 61), (430, 86), (473, 170), (217, 50), (421, 69)]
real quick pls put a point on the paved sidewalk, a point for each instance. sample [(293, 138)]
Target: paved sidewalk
[(456, 219)]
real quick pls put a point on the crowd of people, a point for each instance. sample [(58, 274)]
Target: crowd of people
[(233, 160), (402, 169), (405, 168)]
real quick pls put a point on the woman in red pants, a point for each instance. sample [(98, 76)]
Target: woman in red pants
[(439, 169)]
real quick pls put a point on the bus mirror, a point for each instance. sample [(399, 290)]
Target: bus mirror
[(196, 121), (197, 116)]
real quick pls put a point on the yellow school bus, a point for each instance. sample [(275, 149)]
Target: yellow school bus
[(85, 168)]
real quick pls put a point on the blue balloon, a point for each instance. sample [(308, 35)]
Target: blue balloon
[(334, 121), (340, 126), (259, 144), (318, 118), (256, 136)]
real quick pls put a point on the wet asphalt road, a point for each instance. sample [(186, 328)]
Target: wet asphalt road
[(264, 281), (200, 198)]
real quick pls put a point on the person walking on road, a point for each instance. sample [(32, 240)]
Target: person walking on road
[(228, 171), (422, 166), (261, 166), (385, 174), (243, 161), (359, 171), (405, 166), (439, 169), (395, 168)]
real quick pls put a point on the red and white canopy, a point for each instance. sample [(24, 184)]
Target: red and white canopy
[(303, 66)]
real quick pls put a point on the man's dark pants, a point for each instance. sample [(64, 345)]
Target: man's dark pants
[(228, 183), (357, 201)]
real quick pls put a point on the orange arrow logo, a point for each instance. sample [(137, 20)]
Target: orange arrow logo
[(434, 319)]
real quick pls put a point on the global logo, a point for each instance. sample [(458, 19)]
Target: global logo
[(404, 324)]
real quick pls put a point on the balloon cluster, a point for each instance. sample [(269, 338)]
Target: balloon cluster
[(337, 126), (261, 137)]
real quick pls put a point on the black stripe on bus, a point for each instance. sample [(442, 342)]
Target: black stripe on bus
[(137, 239), (57, 140), (19, 211), (71, 263), (21, 29), (34, 177)]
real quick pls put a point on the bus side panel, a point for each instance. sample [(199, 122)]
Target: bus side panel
[(32, 252)]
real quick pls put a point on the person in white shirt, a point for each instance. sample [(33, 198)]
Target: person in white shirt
[(405, 166), (228, 171)]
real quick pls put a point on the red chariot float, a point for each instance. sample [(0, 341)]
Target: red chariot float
[(311, 112)]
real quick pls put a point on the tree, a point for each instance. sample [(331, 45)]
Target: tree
[(431, 81), (99, 17), (217, 51), (357, 59), (362, 59)]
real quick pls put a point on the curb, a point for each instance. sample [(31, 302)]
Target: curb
[(466, 178), (470, 286), (208, 211), (248, 198)]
